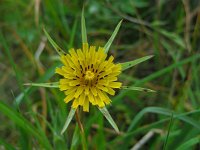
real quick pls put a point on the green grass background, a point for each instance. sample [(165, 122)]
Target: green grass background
[(32, 118)]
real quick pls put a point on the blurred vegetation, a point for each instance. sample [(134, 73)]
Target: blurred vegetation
[(32, 118)]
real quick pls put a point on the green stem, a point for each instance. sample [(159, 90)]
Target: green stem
[(83, 139)]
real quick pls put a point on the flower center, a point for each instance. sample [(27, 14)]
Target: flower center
[(89, 75)]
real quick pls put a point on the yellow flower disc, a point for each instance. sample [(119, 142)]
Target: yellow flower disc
[(88, 77)]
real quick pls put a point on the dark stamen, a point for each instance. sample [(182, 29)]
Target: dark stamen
[(101, 72)]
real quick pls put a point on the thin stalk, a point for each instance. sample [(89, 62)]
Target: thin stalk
[(83, 139)]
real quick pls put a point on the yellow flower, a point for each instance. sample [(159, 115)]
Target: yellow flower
[(88, 77)]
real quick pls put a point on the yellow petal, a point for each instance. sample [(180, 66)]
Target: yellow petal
[(80, 55), (115, 73), (71, 90), (74, 82), (101, 96), (85, 47), (87, 90), (78, 91), (69, 98), (104, 97), (115, 84), (102, 87), (94, 91), (101, 66), (86, 105), (69, 76), (95, 100), (100, 103), (112, 78), (92, 53), (106, 72), (91, 98), (64, 61), (64, 81), (107, 99), (103, 82), (68, 69), (73, 53), (64, 87), (75, 103), (110, 91), (111, 58), (60, 71), (82, 99)]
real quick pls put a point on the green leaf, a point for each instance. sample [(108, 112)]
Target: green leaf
[(50, 85), (13, 64), (83, 28), (106, 114), (189, 143), (48, 74), (168, 132), (166, 112), (174, 37), (6, 145), (137, 88), (73, 32), (22, 122), (75, 138), (69, 118), (129, 64), (56, 47), (108, 44)]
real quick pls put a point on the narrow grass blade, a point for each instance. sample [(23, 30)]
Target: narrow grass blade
[(106, 114), (176, 38), (108, 44), (48, 74), (189, 144), (170, 125), (69, 118), (13, 64), (75, 138), (6, 145), (137, 89), (129, 64), (166, 112), (73, 32), (22, 122), (56, 47), (83, 28), (50, 85)]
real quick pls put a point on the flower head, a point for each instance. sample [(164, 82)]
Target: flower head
[(88, 77)]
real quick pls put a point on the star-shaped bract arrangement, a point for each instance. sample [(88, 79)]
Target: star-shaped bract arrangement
[(88, 77)]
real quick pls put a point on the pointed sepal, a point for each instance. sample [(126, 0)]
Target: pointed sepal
[(129, 64), (134, 88), (107, 115), (56, 47), (83, 28), (49, 85), (108, 44), (69, 119)]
